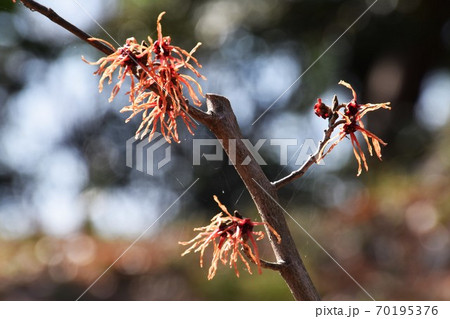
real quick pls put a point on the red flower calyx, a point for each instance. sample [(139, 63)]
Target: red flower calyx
[(322, 110)]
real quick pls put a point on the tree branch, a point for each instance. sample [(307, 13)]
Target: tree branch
[(198, 114), (220, 119), (332, 124), (263, 263), (53, 16)]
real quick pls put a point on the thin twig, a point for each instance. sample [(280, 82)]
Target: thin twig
[(53, 16), (263, 263), (332, 124)]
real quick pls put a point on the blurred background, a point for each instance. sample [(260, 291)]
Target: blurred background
[(69, 206)]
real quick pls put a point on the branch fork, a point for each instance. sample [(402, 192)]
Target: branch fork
[(220, 119)]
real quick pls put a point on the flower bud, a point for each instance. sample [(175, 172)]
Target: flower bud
[(322, 110)]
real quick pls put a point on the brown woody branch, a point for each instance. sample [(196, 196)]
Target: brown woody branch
[(199, 115), (49, 13), (263, 263), (317, 156), (220, 119), (53, 16)]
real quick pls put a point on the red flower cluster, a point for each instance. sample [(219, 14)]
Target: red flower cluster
[(228, 234), (352, 117), (158, 91)]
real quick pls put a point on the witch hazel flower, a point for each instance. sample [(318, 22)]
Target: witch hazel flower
[(230, 236), (351, 120), (157, 84), (125, 59)]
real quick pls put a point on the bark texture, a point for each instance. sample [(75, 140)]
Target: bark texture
[(220, 119)]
